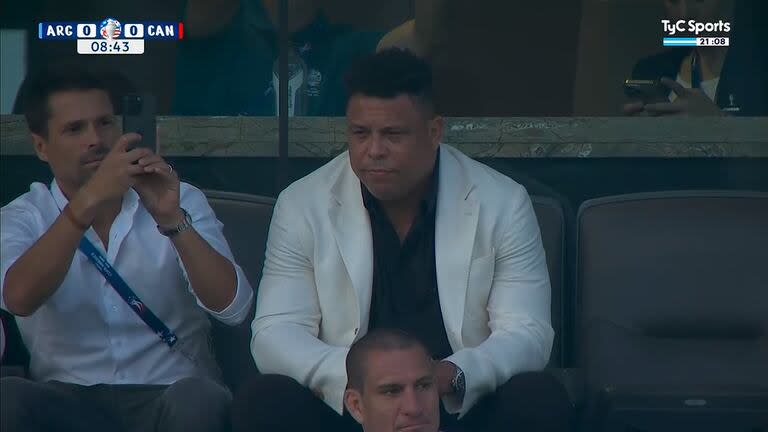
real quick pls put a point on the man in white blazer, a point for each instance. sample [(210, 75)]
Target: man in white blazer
[(403, 232)]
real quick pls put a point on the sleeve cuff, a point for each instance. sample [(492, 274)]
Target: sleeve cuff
[(236, 312)]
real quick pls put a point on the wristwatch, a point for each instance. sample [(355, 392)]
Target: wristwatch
[(185, 224), (458, 384)]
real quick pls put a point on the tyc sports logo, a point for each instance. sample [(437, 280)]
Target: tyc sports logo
[(694, 27)]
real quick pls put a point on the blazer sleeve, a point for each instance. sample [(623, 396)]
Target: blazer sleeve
[(287, 321), (518, 308)]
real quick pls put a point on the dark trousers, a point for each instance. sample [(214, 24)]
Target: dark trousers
[(189, 405), (533, 401)]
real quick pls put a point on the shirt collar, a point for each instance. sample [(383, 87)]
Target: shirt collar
[(428, 203)]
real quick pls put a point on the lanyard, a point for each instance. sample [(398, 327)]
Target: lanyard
[(127, 294)]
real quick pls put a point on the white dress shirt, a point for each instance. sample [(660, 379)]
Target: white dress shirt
[(709, 87), (85, 333)]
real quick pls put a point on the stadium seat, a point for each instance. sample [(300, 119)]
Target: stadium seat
[(246, 221), (551, 217), (15, 357), (673, 311)]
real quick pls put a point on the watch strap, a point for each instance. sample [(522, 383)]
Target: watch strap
[(184, 225)]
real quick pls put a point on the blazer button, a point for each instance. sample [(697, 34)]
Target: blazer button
[(356, 330)]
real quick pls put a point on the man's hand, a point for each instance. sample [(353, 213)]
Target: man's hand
[(692, 102), (636, 108), (158, 188), (115, 175), (444, 373)]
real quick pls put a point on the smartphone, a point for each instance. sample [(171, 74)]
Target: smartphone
[(139, 116), (648, 91)]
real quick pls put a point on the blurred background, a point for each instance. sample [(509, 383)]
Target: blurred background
[(495, 58)]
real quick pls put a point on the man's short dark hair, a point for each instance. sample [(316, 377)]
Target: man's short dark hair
[(376, 340), (37, 89), (390, 73)]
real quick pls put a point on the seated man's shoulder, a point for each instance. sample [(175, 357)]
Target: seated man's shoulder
[(31, 204), (315, 187), (188, 191), (490, 184)]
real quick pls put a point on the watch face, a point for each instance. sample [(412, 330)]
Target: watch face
[(458, 381)]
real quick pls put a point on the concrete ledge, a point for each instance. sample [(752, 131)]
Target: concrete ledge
[(519, 137)]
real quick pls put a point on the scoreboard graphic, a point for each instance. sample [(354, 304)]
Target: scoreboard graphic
[(110, 36)]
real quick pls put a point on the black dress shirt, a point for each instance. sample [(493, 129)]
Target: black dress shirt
[(404, 275)]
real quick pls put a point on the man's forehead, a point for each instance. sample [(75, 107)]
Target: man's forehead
[(71, 105), (397, 366), (403, 108)]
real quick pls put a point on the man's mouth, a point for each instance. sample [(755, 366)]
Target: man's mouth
[(414, 426)]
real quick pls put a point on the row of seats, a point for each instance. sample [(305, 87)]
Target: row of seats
[(661, 292), (659, 303)]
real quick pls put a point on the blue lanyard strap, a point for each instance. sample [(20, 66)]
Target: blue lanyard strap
[(122, 288)]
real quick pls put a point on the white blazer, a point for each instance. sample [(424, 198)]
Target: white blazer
[(315, 292)]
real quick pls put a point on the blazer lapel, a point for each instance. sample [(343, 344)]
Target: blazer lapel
[(455, 229), (352, 231)]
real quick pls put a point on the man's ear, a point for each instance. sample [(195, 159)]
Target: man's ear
[(41, 149), (353, 400), (436, 130)]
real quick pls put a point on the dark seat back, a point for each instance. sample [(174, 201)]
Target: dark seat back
[(551, 218), (246, 221), (673, 293)]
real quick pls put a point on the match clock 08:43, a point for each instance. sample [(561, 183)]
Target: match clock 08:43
[(113, 46)]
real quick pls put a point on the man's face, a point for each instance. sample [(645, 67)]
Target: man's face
[(399, 393), (81, 130), (699, 10), (392, 144)]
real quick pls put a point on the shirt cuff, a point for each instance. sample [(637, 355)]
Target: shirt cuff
[(236, 312)]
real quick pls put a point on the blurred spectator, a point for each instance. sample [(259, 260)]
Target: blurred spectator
[(500, 58), (228, 64), (711, 80)]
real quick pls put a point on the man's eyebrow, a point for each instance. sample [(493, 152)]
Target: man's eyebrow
[(388, 386), (72, 123), (390, 129)]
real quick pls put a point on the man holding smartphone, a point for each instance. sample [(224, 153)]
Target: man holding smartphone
[(706, 80), (110, 271)]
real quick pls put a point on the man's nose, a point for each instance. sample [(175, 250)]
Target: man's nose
[(411, 404), (94, 136), (377, 148)]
